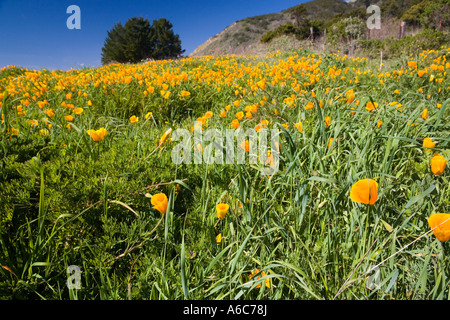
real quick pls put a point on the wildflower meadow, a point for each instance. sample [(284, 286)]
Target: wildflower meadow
[(93, 205)]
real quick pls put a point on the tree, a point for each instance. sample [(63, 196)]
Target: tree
[(166, 44), (137, 40), (113, 49)]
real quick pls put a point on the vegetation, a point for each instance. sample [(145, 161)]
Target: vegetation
[(137, 40), (87, 179)]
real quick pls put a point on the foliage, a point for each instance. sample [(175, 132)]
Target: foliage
[(137, 40)]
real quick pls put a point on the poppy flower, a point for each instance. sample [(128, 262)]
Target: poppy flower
[(245, 145), (327, 121), (309, 105), (68, 118), (438, 164), (428, 143), (50, 112), (164, 137), (364, 191), (440, 223), (235, 124), (208, 115), (134, 119), (148, 115), (219, 238), (371, 106), (222, 209), (425, 114), (97, 135), (330, 142), (240, 115), (159, 202), (78, 111), (256, 271), (379, 123), (185, 93), (299, 126)]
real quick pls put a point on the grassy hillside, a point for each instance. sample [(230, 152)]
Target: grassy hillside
[(245, 36)]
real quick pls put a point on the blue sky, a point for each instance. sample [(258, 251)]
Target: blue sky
[(34, 35)]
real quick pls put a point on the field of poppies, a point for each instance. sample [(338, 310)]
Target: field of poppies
[(356, 209)]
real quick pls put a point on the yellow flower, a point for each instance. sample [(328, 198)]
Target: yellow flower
[(425, 114), (97, 135), (33, 123), (240, 115), (159, 202), (235, 124), (68, 118), (245, 145), (330, 142), (208, 115), (412, 64), (69, 96), (327, 121), (164, 136), (50, 113), (440, 224), (134, 119), (237, 103), (78, 111), (219, 238), (309, 105), (364, 191), (428, 143), (221, 210), (148, 115), (255, 272), (371, 106), (166, 95), (379, 123), (299, 126), (438, 164), (185, 93), (44, 132)]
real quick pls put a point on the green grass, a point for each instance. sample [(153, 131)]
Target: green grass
[(67, 200)]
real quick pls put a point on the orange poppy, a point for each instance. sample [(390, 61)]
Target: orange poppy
[(364, 191), (440, 223), (159, 202), (255, 272), (97, 135), (221, 210), (438, 164)]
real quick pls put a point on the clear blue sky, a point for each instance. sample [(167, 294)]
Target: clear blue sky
[(34, 35)]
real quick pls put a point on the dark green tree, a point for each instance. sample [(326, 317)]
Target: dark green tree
[(137, 40), (114, 46), (166, 44)]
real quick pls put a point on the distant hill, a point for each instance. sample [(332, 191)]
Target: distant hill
[(244, 36)]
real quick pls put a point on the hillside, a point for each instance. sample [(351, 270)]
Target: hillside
[(244, 36)]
